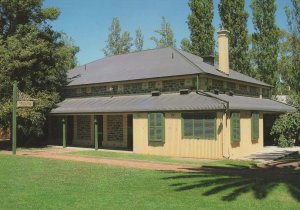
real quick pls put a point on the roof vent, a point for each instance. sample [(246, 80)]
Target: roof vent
[(230, 93), (216, 91), (184, 91), (209, 59), (155, 93)]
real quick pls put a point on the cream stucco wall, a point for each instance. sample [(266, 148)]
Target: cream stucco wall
[(174, 144), (246, 145)]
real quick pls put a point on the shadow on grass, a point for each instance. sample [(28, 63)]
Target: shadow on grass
[(7, 144), (260, 180)]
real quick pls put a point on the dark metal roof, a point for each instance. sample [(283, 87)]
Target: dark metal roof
[(146, 64), (164, 62), (254, 104), (139, 103), (167, 102), (209, 69)]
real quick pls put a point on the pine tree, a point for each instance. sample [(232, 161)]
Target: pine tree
[(201, 28), (117, 43), (166, 35), (265, 40), (234, 19), (139, 40)]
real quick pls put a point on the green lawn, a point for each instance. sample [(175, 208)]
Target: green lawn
[(155, 158), (37, 183)]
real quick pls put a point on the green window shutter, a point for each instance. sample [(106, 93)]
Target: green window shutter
[(235, 126), (255, 126), (198, 126), (188, 125), (210, 126), (156, 127)]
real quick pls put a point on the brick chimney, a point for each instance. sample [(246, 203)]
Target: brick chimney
[(223, 51)]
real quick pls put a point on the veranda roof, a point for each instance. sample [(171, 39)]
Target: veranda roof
[(167, 102)]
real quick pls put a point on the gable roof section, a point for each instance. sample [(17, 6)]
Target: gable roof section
[(156, 63)]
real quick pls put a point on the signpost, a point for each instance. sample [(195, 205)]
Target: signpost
[(96, 134), (24, 103), (19, 100), (14, 119)]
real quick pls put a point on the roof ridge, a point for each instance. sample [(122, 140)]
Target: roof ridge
[(109, 56), (215, 97), (189, 61)]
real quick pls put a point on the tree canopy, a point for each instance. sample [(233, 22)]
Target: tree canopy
[(117, 43), (166, 35), (36, 57), (234, 18), (265, 40), (201, 28), (139, 40), (291, 71)]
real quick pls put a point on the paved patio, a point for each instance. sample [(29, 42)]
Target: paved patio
[(270, 153)]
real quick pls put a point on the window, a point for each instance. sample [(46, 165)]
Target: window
[(235, 126), (255, 126), (199, 125), (156, 127)]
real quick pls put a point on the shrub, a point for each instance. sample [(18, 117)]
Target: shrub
[(286, 130)]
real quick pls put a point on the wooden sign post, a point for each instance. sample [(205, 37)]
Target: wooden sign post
[(19, 100)]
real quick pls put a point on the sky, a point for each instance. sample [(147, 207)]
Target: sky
[(87, 21)]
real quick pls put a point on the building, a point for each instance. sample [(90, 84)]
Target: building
[(165, 102)]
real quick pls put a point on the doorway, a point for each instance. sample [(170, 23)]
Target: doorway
[(70, 130), (130, 132), (269, 120), (99, 119)]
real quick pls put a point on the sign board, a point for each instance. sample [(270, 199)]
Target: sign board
[(24, 103)]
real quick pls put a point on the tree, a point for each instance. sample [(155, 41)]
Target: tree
[(186, 45), (35, 56), (166, 35), (291, 74), (139, 40), (201, 28), (126, 43), (14, 14), (286, 130), (234, 18), (117, 43), (265, 40)]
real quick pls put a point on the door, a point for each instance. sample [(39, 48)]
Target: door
[(100, 129), (129, 132), (70, 130)]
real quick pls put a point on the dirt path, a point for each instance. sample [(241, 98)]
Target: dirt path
[(292, 161), (139, 164)]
